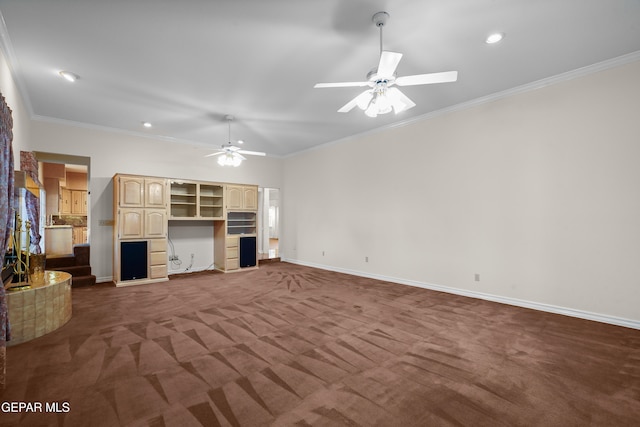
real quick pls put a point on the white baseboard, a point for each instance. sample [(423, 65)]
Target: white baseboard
[(597, 317), (104, 279)]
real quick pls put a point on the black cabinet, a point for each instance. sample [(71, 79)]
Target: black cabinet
[(247, 252)]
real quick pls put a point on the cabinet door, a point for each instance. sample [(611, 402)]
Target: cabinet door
[(250, 198), (85, 207), (235, 196), (77, 206), (131, 191), (65, 201), (155, 195), (131, 223), (155, 223)]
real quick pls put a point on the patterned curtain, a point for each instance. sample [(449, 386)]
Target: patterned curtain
[(29, 164), (6, 219)]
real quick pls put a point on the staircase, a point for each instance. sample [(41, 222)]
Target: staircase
[(77, 265)]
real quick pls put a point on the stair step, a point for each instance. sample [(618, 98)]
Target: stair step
[(79, 281), (53, 263), (75, 271)]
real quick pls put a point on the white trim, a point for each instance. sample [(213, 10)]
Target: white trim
[(597, 317), (528, 87), (104, 279)]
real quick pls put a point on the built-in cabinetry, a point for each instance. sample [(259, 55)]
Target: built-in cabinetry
[(196, 200), (241, 204), (241, 223), (140, 225), (144, 207), (242, 197)]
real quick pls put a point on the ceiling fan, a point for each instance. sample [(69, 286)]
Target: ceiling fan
[(382, 97), (231, 155)]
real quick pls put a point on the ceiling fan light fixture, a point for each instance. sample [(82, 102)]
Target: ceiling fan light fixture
[(494, 38), (383, 97), (229, 159), (68, 76)]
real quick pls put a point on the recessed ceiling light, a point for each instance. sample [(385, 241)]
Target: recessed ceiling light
[(494, 38), (146, 124), (69, 76), (240, 141)]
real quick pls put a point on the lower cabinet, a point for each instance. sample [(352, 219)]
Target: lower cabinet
[(141, 261), (232, 262), (158, 258)]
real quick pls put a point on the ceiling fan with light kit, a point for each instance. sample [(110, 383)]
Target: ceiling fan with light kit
[(381, 97), (231, 155)]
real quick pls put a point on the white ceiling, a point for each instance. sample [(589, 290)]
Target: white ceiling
[(184, 64)]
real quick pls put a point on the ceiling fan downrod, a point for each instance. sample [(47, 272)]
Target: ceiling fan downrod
[(380, 19)]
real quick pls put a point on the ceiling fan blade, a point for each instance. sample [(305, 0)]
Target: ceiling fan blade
[(343, 84), (215, 154), (423, 79), (361, 101), (238, 155), (399, 101), (388, 63), (251, 153)]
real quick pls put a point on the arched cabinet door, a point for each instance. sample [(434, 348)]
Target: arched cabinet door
[(131, 192), (155, 194), (131, 224), (235, 196), (155, 223)]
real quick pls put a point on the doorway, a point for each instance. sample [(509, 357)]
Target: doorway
[(268, 223), (66, 203)]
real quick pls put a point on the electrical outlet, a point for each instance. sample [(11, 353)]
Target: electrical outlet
[(322, 253), (477, 277), (366, 259)]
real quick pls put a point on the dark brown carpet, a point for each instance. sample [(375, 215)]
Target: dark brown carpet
[(289, 345)]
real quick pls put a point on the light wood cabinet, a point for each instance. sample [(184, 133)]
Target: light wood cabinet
[(131, 192), (250, 197), (85, 205), (143, 207), (140, 215), (79, 235), (65, 202), (155, 193), (158, 258), (191, 200), (78, 207), (131, 223), (242, 197), (155, 223), (235, 196)]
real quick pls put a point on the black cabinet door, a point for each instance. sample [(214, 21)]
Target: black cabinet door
[(133, 260), (247, 252)]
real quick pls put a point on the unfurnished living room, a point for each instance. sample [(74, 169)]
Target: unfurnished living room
[(305, 213)]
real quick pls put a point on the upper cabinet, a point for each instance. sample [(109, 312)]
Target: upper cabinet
[(196, 200), (139, 192), (242, 197), (131, 191), (155, 193)]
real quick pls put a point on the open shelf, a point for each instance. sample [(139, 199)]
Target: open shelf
[(241, 223)]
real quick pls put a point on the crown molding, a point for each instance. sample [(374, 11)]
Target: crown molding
[(529, 87)]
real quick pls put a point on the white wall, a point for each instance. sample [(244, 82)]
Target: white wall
[(21, 120), (537, 193)]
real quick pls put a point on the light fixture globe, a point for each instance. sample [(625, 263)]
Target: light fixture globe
[(229, 159)]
